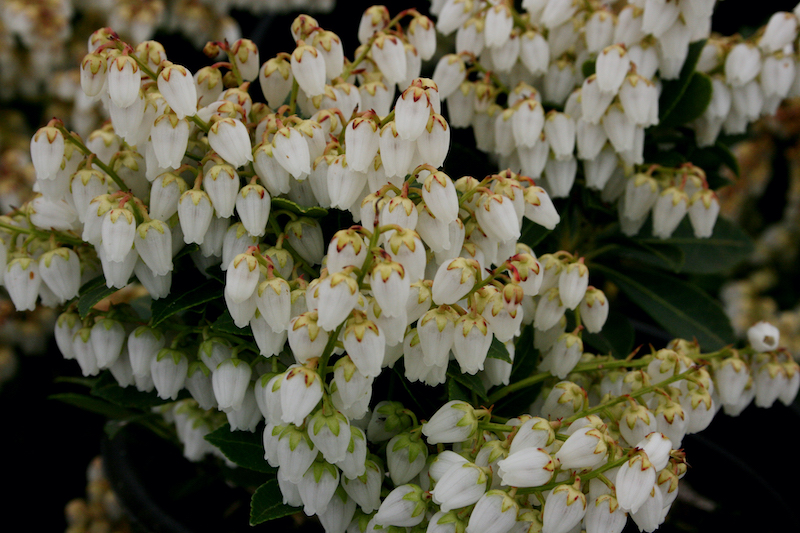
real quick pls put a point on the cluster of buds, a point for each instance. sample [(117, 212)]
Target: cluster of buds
[(669, 194), (750, 77), (533, 61), (432, 270)]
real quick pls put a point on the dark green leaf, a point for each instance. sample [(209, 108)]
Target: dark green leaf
[(176, 302), (457, 391), (244, 448), (681, 308), (86, 382), (267, 504), (498, 350), (727, 247), (91, 404), (470, 381), (656, 253), (186, 250), (589, 67), (532, 233), (297, 209), (728, 159), (673, 90), (91, 293), (216, 273), (694, 101), (224, 324), (526, 358), (616, 337), (107, 388)]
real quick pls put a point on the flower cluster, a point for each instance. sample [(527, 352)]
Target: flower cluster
[(430, 279)]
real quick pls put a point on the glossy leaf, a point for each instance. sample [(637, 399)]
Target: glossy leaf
[(471, 382), (692, 103), (93, 405), (673, 90), (244, 448), (224, 324), (679, 307), (616, 337), (727, 247), (107, 388), (288, 205), (92, 292), (267, 504), (178, 301), (532, 233), (498, 350)]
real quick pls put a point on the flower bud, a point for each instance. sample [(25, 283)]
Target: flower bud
[(634, 480), (454, 422), (406, 454), (47, 152), (308, 68), (60, 269), (564, 508), (405, 506), (460, 486), (230, 381), (124, 81), (528, 467), (301, 389)]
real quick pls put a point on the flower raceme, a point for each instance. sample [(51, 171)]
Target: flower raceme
[(431, 266)]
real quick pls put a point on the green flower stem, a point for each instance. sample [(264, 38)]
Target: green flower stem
[(388, 118), (76, 141), (200, 124), (519, 385), (142, 65), (499, 428), (235, 68), (322, 369), (627, 397), (293, 97), (43, 235), (368, 45)]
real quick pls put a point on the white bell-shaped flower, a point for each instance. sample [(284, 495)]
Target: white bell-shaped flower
[(108, 338), (472, 338), (143, 344), (195, 212), (460, 486), (230, 381), (604, 515), (448, 75), (291, 152), (170, 137), (404, 507), (241, 278), (60, 269), (365, 343), (308, 68), (406, 455), (153, 241), (455, 421), (634, 479), (47, 152), (229, 138), (168, 370), (176, 85), (253, 206), (84, 353), (301, 388), (763, 337), (361, 139), (564, 509), (275, 78), (124, 80), (306, 338)]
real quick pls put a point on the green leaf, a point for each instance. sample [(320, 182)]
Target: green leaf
[(176, 302), (92, 292), (267, 504), (224, 324), (244, 448), (616, 337), (589, 67), (728, 159), (498, 350), (692, 103), (654, 252), (91, 404), (673, 90), (470, 381), (297, 209), (526, 358), (106, 387), (186, 250), (457, 391), (532, 233), (727, 247), (681, 308)]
